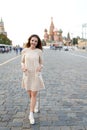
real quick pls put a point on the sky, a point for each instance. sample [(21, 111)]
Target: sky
[(25, 17)]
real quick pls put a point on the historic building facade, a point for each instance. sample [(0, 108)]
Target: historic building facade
[(54, 34), (2, 30)]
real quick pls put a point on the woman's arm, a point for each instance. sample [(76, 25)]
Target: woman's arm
[(23, 61), (40, 61)]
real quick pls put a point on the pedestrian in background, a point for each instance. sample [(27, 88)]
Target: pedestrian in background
[(32, 64)]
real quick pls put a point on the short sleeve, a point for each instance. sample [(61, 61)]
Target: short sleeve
[(23, 56)]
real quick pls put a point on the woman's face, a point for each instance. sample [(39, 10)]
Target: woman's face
[(34, 42)]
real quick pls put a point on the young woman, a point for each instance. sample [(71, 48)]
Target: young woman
[(32, 64)]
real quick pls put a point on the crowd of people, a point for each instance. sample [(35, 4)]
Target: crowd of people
[(7, 49), (17, 50)]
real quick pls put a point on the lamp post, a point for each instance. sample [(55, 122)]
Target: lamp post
[(84, 26)]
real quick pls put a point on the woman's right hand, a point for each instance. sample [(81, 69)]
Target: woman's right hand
[(24, 68)]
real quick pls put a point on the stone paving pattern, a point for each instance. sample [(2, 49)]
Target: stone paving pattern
[(63, 104), (5, 56)]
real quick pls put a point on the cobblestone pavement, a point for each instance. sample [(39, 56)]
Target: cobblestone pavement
[(63, 104), (5, 56)]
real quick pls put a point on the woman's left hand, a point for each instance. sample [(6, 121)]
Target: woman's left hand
[(39, 69)]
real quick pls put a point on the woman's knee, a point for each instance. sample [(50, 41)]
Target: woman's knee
[(34, 94)]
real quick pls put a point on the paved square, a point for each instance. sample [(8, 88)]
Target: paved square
[(63, 104)]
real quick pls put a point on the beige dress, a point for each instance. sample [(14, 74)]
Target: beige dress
[(32, 79)]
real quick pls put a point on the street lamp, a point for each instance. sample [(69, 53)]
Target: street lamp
[(84, 26)]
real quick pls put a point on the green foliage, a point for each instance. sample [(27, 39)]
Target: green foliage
[(5, 40), (68, 36), (75, 41), (43, 43)]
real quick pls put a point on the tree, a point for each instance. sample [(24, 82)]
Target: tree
[(5, 40), (68, 36), (43, 43), (75, 41)]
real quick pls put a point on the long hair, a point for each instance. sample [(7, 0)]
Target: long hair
[(39, 44)]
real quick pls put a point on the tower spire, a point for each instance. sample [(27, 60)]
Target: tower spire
[(51, 19), (2, 30), (51, 29)]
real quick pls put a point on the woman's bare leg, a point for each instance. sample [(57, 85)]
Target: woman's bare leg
[(33, 100), (29, 93), (33, 96)]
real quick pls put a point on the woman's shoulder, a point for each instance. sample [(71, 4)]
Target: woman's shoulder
[(24, 50), (39, 50)]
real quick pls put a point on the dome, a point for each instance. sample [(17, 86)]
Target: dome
[(60, 31)]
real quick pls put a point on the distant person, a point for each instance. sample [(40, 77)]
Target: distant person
[(51, 46), (16, 49), (32, 64), (20, 49)]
